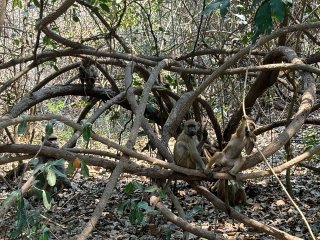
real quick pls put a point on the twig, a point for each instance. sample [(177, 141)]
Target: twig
[(178, 206), (155, 201), (6, 182), (315, 169), (55, 223), (74, 196)]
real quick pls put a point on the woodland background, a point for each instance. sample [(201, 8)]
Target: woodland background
[(159, 62)]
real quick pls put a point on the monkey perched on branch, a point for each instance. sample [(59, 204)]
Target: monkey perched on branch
[(87, 72), (186, 149), (231, 156)]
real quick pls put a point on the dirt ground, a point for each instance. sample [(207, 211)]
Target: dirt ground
[(267, 203)]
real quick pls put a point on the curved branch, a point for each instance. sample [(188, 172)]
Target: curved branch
[(54, 75), (190, 98), (278, 169), (58, 91), (124, 150), (262, 83), (305, 107), (62, 40), (281, 123), (53, 16), (116, 99)]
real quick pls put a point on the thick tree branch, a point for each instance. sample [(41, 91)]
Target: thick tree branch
[(54, 15)]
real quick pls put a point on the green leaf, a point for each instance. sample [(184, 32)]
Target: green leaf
[(84, 169), (168, 232), (45, 233), (172, 81), (136, 216), (38, 168), (162, 193), (15, 195), (132, 186), (49, 127), (70, 169), (87, 129), (278, 9), (122, 205), (269, 9), (17, 3), (105, 7), (263, 21), (129, 188), (22, 127), (144, 205), (57, 172), (51, 177), (46, 198), (223, 5), (152, 188)]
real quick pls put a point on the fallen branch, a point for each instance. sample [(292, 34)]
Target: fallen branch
[(240, 217), (183, 224)]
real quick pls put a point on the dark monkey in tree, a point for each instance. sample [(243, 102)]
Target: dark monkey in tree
[(87, 72), (186, 148), (62, 181), (231, 154)]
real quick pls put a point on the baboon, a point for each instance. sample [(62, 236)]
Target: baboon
[(185, 151), (231, 156), (87, 73), (61, 179)]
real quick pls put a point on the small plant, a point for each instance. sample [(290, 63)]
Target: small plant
[(310, 141), (137, 207), (27, 224), (46, 174)]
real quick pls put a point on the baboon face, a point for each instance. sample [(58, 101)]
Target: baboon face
[(250, 126), (51, 141), (190, 128)]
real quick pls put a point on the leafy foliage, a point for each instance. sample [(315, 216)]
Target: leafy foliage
[(47, 173), (137, 207), (22, 127), (222, 5), (49, 127), (266, 12), (310, 141), (87, 130), (27, 221)]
